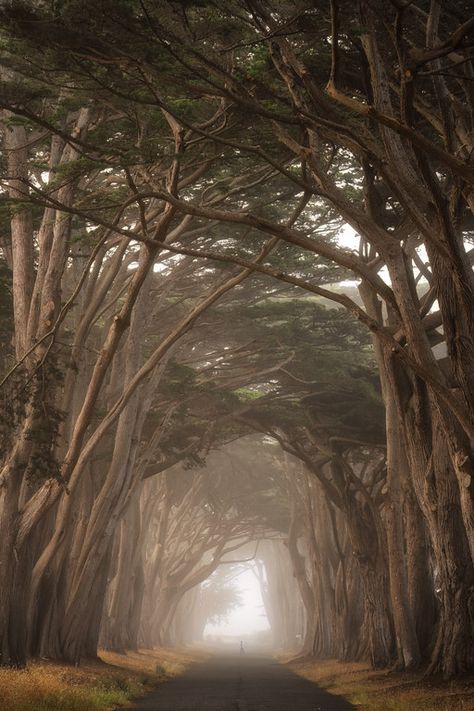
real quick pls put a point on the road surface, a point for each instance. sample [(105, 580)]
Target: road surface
[(234, 683)]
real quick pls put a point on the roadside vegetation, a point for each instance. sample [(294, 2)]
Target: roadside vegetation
[(110, 682), (372, 690)]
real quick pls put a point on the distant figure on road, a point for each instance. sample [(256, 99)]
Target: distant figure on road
[(242, 650)]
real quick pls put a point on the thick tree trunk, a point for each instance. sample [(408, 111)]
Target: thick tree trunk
[(409, 655), (408, 643), (369, 547), (91, 643), (421, 587), (16, 150), (18, 628), (375, 583), (438, 494), (122, 618), (9, 494), (348, 605), (455, 294), (300, 573), (454, 651)]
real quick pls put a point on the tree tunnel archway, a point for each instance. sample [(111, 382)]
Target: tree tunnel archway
[(232, 144), (251, 501)]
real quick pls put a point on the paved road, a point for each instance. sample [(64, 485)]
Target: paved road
[(231, 683)]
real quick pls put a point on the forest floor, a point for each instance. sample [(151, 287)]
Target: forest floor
[(94, 686), (370, 690)]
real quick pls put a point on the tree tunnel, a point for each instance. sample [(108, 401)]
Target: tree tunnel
[(195, 359)]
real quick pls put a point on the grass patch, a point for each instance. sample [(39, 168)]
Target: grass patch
[(370, 690), (42, 688), (95, 686)]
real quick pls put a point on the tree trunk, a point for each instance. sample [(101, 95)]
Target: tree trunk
[(9, 494), (421, 588), (438, 494)]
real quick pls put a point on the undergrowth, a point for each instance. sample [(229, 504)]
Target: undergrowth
[(95, 686), (370, 690), (44, 689)]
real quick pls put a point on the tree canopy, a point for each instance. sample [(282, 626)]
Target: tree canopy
[(222, 222)]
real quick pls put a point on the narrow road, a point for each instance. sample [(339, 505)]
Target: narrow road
[(233, 683)]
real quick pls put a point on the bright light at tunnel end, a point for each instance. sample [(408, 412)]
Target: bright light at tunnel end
[(247, 620)]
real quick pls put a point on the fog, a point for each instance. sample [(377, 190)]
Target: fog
[(214, 555), (246, 620)]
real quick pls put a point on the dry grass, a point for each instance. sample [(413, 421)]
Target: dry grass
[(95, 686), (159, 663), (371, 690)]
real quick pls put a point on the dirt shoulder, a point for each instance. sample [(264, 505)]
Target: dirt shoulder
[(106, 684), (372, 690)]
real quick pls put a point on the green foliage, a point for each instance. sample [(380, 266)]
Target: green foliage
[(23, 390), (121, 63), (180, 379), (72, 170), (15, 120), (247, 394), (330, 375)]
